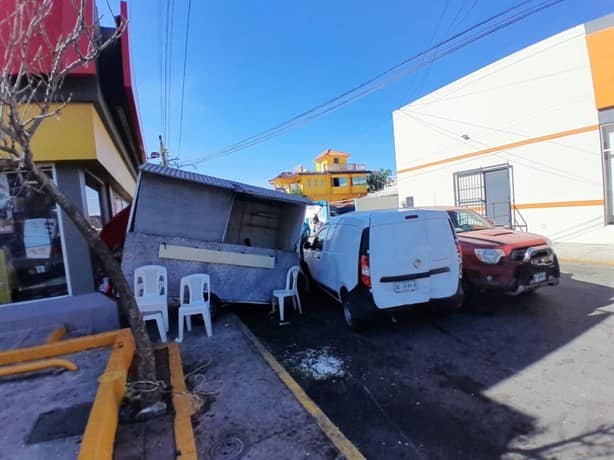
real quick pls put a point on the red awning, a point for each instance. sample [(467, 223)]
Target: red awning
[(114, 232)]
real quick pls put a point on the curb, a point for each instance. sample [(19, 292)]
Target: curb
[(343, 444)]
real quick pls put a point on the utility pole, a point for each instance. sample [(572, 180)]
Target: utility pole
[(163, 152)]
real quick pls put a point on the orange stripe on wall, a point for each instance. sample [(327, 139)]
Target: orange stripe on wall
[(533, 140), (559, 204), (600, 46)]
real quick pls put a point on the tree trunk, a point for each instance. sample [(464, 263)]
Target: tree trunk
[(145, 364)]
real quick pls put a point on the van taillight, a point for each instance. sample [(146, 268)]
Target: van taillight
[(459, 252), (365, 271)]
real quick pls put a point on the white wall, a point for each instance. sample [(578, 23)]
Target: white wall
[(539, 91), (370, 203)]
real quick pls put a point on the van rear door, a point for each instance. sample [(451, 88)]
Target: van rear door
[(412, 257)]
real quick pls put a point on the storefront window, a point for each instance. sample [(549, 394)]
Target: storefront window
[(118, 202), (31, 258), (93, 196)]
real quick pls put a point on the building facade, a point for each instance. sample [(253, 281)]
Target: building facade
[(526, 140), (333, 180), (92, 150)]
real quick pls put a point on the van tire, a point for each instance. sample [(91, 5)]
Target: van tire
[(350, 319)]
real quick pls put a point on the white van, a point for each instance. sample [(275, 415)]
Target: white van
[(385, 260)]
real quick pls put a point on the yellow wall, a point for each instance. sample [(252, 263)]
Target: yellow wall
[(70, 136), (110, 157), (601, 54), (329, 160), (78, 133)]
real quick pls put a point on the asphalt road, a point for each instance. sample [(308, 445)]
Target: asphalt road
[(524, 377)]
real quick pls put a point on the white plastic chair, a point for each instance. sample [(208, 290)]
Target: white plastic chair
[(150, 290), (196, 285), (291, 290), (159, 319)]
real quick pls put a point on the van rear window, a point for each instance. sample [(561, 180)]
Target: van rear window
[(364, 242)]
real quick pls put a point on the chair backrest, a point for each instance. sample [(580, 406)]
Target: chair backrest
[(196, 285), (150, 281), (292, 277)]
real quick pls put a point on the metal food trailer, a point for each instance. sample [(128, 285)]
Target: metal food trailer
[(244, 237)]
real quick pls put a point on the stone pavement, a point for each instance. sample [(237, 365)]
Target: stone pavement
[(43, 416), (602, 254), (250, 413)]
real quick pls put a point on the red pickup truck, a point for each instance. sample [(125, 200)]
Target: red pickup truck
[(500, 259)]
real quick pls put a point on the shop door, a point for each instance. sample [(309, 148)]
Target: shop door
[(498, 196), (487, 191)]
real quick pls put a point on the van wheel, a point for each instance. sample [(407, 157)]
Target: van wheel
[(350, 319)]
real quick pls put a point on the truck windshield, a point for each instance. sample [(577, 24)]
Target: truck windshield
[(465, 220)]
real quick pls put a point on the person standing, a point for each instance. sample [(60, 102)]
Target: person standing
[(315, 223)]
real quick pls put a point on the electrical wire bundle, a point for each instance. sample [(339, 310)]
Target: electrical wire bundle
[(478, 31)]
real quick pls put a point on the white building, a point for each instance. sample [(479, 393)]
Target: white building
[(528, 139)]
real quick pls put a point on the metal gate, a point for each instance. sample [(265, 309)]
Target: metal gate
[(489, 192)]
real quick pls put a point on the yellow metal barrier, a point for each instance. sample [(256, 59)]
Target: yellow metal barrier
[(34, 366), (63, 347), (56, 335), (99, 437), (184, 434)]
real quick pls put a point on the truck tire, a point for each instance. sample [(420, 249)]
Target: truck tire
[(470, 293)]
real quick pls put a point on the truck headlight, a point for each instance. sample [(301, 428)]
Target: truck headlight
[(489, 256)]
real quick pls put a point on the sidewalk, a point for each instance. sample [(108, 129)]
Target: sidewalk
[(593, 254), (252, 414), (44, 416)]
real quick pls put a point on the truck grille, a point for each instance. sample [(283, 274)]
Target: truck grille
[(535, 255), (518, 254)]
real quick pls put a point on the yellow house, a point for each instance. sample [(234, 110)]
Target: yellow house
[(334, 179)]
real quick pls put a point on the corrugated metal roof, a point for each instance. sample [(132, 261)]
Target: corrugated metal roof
[(238, 187)]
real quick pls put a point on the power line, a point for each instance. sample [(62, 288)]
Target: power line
[(504, 131), (482, 76), (433, 38), (185, 64), (475, 2), (170, 9), (161, 62), (305, 117), (388, 76), (548, 169)]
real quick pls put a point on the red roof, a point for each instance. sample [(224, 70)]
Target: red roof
[(60, 20), (125, 50), (331, 153)]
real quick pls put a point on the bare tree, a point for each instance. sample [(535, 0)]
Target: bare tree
[(34, 67)]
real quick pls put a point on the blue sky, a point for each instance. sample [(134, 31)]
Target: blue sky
[(253, 64)]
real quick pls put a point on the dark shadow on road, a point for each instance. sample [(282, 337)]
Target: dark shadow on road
[(414, 388)]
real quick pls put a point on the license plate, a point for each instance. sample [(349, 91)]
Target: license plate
[(405, 286), (539, 277)]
